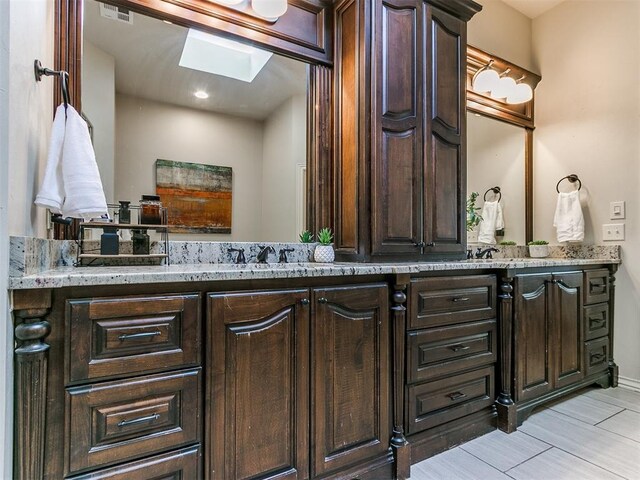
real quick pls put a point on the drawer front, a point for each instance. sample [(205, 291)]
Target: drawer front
[(448, 300), (596, 355), (596, 286), (118, 421), (441, 401), (442, 351), (132, 335), (181, 464), (596, 321)]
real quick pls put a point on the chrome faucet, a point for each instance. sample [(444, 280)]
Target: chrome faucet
[(487, 251), (264, 253)]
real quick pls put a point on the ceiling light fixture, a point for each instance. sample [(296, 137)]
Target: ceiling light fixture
[(201, 94), (269, 10)]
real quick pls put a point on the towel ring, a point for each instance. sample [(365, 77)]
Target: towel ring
[(495, 190), (40, 71), (573, 178)]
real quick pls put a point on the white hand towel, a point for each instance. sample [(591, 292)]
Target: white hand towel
[(568, 220), (51, 193), (84, 195), (492, 220), (71, 184)]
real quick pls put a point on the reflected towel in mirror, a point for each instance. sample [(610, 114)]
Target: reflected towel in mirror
[(492, 220)]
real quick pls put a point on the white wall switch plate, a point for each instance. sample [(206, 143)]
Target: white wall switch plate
[(613, 231), (616, 210)]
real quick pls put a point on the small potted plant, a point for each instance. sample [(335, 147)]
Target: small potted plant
[(538, 249), (324, 251), (473, 217), (508, 243), (306, 237)]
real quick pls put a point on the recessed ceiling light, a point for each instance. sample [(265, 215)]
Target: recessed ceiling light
[(220, 56), (201, 94)]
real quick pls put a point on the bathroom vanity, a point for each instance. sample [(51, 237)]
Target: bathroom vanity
[(295, 370)]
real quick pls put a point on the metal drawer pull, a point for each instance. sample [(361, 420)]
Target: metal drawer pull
[(597, 357), (460, 299), (135, 336), (597, 322), (597, 286), (456, 395), (458, 347), (135, 421)]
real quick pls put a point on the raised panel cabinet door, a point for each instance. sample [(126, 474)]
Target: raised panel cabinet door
[(532, 328), (397, 125), (350, 377), (444, 148), (258, 385), (566, 341)]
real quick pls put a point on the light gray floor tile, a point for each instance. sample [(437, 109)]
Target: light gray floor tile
[(626, 423), (455, 464), (505, 451), (558, 465), (587, 409), (608, 450), (621, 397)]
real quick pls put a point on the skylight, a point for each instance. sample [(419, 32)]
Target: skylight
[(217, 55)]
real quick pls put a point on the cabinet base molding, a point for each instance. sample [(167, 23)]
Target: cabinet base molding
[(443, 437), (507, 417), (373, 469), (526, 408)]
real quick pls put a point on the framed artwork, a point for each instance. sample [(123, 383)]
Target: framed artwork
[(198, 196)]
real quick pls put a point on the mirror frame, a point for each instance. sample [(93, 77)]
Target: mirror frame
[(304, 32), (521, 115)]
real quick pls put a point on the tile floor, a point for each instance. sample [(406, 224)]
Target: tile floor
[(592, 435)]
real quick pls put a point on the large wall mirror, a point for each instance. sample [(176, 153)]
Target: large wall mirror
[(500, 148), (158, 88)]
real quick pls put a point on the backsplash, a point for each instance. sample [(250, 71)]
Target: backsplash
[(30, 255)]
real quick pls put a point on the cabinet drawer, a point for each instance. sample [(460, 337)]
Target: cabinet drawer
[(117, 421), (596, 355), (179, 464), (596, 286), (132, 335), (596, 321), (442, 351), (447, 300), (441, 401)]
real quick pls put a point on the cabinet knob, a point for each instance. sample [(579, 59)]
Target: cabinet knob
[(322, 300), (431, 244), (419, 244), (304, 302)]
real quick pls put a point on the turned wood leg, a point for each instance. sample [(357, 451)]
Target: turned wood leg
[(30, 384), (399, 444), (613, 367), (505, 407)]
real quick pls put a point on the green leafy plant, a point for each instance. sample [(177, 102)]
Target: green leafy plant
[(473, 217), (507, 243), (325, 237), (538, 242), (306, 237)]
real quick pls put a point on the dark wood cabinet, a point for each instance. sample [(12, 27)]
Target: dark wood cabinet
[(258, 391), (351, 376), (400, 190), (270, 352), (548, 332)]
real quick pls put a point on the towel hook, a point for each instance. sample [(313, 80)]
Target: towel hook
[(495, 190), (573, 178), (39, 71)]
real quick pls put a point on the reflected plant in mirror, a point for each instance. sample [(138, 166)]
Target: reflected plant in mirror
[(155, 90), (473, 217)]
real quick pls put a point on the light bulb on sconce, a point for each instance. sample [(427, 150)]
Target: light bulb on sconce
[(485, 79), (522, 93), (269, 10), (504, 88)]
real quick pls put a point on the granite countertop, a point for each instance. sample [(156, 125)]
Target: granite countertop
[(67, 276)]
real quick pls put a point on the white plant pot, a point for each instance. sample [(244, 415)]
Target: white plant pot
[(324, 254), (538, 251)]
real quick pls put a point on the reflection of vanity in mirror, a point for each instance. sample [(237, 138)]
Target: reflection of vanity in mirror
[(143, 86), (500, 148)]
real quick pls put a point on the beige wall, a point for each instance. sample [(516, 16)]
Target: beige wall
[(99, 104), (503, 31), (283, 150), (147, 131), (588, 122)]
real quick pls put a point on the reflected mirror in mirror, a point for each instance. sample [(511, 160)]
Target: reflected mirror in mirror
[(144, 106), (496, 157)]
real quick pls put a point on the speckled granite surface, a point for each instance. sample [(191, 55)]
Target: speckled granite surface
[(39, 263)]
